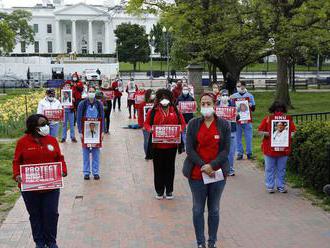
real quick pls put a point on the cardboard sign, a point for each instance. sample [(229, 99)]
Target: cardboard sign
[(66, 98), (41, 176), (108, 94), (146, 108), (188, 107), (243, 110), (54, 114), (280, 133), (166, 134), (92, 132), (227, 113)]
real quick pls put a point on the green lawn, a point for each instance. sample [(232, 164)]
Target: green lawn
[(8, 187), (161, 66)]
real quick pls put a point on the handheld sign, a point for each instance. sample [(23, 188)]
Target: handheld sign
[(188, 107), (139, 97), (54, 114), (227, 113), (146, 108), (280, 133), (41, 176), (108, 94), (92, 130), (66, 98), (166, 134), (243, 110)]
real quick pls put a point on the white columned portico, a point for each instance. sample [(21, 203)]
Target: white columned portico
[(90, 37), (57, 37), (74, 36), (107, 37)]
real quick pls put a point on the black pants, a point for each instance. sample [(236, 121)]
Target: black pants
[(117, 98), (107, 112), (164, 169), (43, 211), (131, 103)]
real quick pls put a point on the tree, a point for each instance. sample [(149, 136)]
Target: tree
[(132, 44), (14, 28)]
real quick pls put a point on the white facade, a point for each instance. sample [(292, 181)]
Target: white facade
[(79, 28)]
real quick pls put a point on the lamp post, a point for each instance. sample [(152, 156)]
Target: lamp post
[(151, 41), (166, 34)]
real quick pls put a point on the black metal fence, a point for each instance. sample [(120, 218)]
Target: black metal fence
[(307, 117)]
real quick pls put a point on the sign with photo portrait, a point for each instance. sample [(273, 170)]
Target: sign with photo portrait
[(92, 132), (243, 110), (66, 98), (280, 133)]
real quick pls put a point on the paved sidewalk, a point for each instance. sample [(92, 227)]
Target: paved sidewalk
[(120, 209)]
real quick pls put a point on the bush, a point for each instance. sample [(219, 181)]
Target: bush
[(310, 157)]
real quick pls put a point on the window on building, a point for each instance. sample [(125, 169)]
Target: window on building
[(36, 46), (23, 47), (49, 28), (50, 46), (99, 47), (35, 28), (69, 47), (68, 28)]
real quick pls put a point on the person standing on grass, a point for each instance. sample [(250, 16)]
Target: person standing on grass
[(207, 148), (246, 127), (275, 161), (90, 108), (131, 89), (68, 119), (49, 103), (38, 147), (164, 113)]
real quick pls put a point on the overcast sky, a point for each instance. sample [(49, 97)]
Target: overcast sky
[(20, 3)]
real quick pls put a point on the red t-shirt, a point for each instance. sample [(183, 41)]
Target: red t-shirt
[(207, 147), (163, 118), (115, 87), (28, 151), (265, 126)]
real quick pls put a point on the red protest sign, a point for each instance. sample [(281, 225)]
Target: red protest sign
[(280, 133), (188, 107), (167, 134), (139, 97), (108, 94), (227, 113), (243, 110), (92, 132), (41, 176), (54, 114)]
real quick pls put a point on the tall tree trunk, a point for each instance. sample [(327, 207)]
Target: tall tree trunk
[(282, 90), (134, 66), (209, 67), (214, 74)]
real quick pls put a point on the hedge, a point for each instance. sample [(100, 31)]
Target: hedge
[(310, 157)]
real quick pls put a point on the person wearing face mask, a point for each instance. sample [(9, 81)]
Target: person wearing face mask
[(246, 127), (131, 89), (177, 90), (207, 148), (216, 92), (90, 108), (107, 104), (185, 97), (117, 87), (149, 98), (50, 102), (38, 147), (69, 116), (164, 113), (275, 161)]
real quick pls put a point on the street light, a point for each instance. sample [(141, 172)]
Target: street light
[(166, 34), (151, 41)]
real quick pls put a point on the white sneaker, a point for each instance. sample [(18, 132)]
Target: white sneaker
[(169, 196), (271, 191), (159, 197)]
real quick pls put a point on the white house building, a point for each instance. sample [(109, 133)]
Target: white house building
[(80, 28)]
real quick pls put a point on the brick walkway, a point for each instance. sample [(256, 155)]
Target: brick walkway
[(120, 211)]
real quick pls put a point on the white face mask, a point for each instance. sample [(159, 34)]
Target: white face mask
[(165, 102), (207, 111), (91, 95), (224, 98), (44, 130), (152, 97), (74, 79), (50, 98), (240, 90), (185, 92)]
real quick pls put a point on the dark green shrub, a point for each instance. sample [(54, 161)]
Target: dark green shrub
[(310, 157)]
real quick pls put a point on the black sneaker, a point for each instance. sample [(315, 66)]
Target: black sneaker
[(201, 246), (86, 177), (159, 196), (96, 177), (62, 140), (169, 196), (239, 157), (211, 246), (74, 140), (250, 157)]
